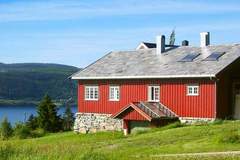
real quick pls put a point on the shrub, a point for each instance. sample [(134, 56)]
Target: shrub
[(232, 137), (6, 130), (217, 121), (93, 156), (139, 130), (37, 133), (68, 119), (22, 131), (174, 125)]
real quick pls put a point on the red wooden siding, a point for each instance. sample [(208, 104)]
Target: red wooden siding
[(134, 115), (175, 97), (173, 94)]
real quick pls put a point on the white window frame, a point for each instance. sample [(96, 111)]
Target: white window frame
[(114, 93), (91, 93), (193, 90), (152, 96)]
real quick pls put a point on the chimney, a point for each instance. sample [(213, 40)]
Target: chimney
[(185, 43), (160, 44), (205, 39)]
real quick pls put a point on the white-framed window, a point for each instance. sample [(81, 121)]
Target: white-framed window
[(91, 93), (192, 89), (114, 93), (153, 93)]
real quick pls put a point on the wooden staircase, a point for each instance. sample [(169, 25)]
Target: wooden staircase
[(155, 110)]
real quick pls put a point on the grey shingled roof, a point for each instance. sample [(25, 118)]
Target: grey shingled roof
[(145, 63)]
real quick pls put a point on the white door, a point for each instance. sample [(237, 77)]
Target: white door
[(237, 102), (237, 107)]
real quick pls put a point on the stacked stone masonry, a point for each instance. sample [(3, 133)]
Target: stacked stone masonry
[(94, 122), (192, 120)]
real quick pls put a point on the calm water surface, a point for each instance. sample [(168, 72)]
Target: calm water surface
[(21, 113)]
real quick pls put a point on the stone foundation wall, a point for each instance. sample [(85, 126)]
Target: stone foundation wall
[(192, 120), (93, 122)]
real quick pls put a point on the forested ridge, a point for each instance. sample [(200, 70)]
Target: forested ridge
[(27, 83)]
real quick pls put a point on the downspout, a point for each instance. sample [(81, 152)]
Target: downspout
[(215, 96), (215, 114)]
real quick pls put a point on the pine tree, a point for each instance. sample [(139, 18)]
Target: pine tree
[(6, 129), (68, 119), (172, 38), (32, 122), (47, 115)]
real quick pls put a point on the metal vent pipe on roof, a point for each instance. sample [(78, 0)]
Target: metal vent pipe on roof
[(185, 43), (160, 41), (204, 39)]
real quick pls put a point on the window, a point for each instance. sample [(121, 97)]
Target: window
[(193, 90), (91, 93), (153, 93), (114, 93)]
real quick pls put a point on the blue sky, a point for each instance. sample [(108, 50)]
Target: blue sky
[(78, 32)]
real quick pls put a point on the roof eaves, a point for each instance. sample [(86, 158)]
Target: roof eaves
[(147, 77), (225, 67)]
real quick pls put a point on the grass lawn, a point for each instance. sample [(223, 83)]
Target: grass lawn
[(150, 144)]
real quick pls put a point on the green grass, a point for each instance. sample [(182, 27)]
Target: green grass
[(113, 145)]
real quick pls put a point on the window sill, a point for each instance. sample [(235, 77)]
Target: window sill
[(91, 99), (192, 94), (153, 101), (114, 100)]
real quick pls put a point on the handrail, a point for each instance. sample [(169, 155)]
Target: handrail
[(165, 110), (160, 107), (147, 110)]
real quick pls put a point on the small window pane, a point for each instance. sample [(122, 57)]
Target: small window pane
[(195, 90), (152, 93), (190, 90), (156, 94)]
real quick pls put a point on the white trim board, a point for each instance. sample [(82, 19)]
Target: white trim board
[(148, 77)]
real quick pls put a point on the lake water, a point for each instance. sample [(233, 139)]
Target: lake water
[(21, 113)]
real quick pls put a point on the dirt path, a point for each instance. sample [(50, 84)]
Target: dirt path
[(199, 154)]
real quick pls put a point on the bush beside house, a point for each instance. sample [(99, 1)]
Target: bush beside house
[(6, 130)]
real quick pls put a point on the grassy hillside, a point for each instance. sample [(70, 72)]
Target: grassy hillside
[(151, 144), (28, 82)]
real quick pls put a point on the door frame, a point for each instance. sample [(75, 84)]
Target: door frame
[(233, 92), (149, 92)]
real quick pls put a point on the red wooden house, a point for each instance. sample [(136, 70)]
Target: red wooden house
[(157, 83)]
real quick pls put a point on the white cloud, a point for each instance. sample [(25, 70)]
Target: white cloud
[(69, 9)]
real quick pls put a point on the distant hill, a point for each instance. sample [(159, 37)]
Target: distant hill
[(26, 83)]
